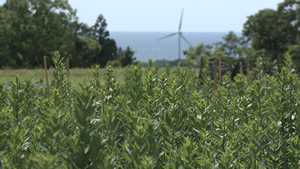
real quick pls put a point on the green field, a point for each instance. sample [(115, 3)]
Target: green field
[(77, 75), (37, 75), (151, 120)]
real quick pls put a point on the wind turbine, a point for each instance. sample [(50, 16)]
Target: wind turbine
[(179, 36)]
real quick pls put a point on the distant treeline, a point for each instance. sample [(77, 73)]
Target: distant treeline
[(269, 34), (31, 29)]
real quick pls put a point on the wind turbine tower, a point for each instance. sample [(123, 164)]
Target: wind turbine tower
[(179, 36)]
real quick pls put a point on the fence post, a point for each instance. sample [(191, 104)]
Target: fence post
[(45, 64), (248, 70), (68, 67), (215, 74), (220, 71), (241, 68)]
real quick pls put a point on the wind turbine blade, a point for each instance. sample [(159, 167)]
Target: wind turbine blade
[(186, 40), (180, 21), (168, 36)]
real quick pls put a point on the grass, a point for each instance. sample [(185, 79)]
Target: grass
[(77, 75)]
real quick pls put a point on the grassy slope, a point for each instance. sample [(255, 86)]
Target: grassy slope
[(77, 75)]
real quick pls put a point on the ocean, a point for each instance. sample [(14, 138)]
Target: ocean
[(146, 46)]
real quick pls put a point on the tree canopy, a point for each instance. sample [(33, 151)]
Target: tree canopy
[(269, 34), (31, 29)]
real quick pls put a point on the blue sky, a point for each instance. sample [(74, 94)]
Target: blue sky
[(164, 15)]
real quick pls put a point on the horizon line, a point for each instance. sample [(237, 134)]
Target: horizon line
[(182, 32)]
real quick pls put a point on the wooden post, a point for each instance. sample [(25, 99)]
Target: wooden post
[(68, 67), (220, 71), (248, 70), (68, 75), (215, 74), (241, 68), (45, 64)]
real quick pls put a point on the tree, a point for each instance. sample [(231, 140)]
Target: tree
[(199, 51), (232, 44), (86, 50), (14, 33), (272, 31), (294, 52), (34, 28), (289, 11), (127, 57), (109, 48)]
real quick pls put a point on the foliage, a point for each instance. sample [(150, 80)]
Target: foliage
[(294, 51), (231, 50), (31, 29), (86, 50), (199, 51), (274, 31), (126, 57), (233, 45), (162, 63), (109, 48), (114, 63), (269, 34), (151, 122)]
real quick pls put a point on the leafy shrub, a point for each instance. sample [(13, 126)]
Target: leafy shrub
[(182, 63), (127, 57), (114, 63), (155, 122)]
